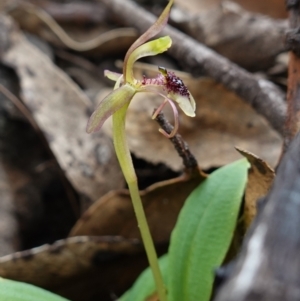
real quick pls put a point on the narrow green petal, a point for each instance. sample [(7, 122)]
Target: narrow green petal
[(112, 75), (109, 105), (152, 31), (187, 104), (148, 49)]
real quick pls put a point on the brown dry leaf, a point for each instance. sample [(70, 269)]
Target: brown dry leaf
[(35, 20), (222, 121), (273, 8), (79, 268), (197, 6), (60, 109), (260, 179), (113, 214)]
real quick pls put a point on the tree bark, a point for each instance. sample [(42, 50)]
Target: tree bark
[(268, 268)]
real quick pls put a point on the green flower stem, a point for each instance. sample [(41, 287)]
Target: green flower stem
[(125, 161)]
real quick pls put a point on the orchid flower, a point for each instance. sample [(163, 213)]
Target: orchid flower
[(115, 104), (166, 84)]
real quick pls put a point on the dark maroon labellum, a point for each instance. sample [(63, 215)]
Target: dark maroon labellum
[(175, 84)]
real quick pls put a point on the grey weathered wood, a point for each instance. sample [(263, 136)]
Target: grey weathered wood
[(268, 268)]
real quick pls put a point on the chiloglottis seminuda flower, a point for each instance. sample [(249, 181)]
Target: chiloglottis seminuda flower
[(166, 84), (172, 89)]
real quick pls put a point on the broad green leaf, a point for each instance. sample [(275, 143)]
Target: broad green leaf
[(19, 291), (148, 49), (203, 232), (110, 104), (144, 286)]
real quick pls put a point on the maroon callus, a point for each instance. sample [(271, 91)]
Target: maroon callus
[(175, 84)]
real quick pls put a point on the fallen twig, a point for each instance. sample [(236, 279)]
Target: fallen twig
[(182, 148), (248, 39)]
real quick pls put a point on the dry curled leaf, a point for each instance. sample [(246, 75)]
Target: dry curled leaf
[(79, 268), (113, 214), (260, 179), (60, 109)]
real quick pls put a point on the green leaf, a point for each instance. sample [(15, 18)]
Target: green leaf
[(110, 104), (204, 231), (18, 291), (144, 286)]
